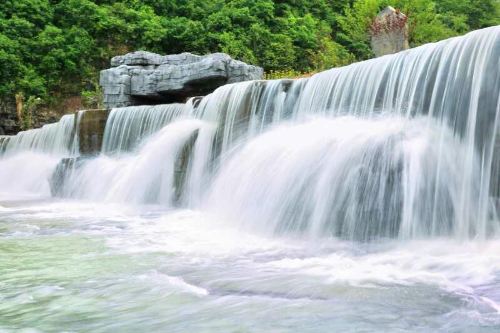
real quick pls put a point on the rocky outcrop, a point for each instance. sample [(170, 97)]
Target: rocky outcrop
[(90, 127), (148, 78), (39, 116), (389, 32), (8, 118)]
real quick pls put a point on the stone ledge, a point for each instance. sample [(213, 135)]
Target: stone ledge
[(148, 78), (90, 125)]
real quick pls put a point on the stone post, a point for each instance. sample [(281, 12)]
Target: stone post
[(389, 32)]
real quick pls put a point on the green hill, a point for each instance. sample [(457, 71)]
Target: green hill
[(54, 50)]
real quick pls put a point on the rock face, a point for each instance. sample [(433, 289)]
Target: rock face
[(8, 118), (90, 127), (389, 32), (148, 78), (10, 124)]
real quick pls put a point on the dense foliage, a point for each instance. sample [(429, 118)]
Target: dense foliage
[(55, 48)]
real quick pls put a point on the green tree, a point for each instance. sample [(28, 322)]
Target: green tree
[(55, 48)]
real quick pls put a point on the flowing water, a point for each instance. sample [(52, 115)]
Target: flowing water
[(362, 199), (52, 139), (127, 127)]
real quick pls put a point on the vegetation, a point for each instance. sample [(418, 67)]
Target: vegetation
[(53, 49)]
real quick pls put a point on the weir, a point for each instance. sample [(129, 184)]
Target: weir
[(55, 139), (402, 146), (127, 127), (4, 139)]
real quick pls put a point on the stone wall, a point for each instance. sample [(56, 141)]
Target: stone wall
[(91, 124)]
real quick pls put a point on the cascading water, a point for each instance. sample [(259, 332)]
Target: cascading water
[(144, 178), (28, 159), (4, 139), (350, 177), (455, 84), (128, 171), (54, 139), (413, 159), (127, 127)]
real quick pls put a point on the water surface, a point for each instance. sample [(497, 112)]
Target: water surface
[(80, 267)]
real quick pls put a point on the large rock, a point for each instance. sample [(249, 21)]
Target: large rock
[(148, 78), (389, 32)]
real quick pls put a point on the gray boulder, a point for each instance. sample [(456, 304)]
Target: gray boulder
[(389, 32), (138, 58), (148, 78)]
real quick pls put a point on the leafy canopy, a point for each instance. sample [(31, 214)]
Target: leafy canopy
[(55, 48)]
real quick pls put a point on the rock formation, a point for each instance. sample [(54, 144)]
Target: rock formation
[(90, 127), (389, 32), (148, 78), (8, 118)]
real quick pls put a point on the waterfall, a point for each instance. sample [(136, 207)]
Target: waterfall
[(147, 177), (54, 139), (127, 127), (351, 177), (28, 159), (454, 84), (401, 146)]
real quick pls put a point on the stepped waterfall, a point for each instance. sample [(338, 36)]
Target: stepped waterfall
[(399, 146), (375, 166)]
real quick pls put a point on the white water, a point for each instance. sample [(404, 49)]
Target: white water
[(403, 147), (136, 178), (127, 127), (364, 198), (349, 177), (54, 139), (26, 175), (86, 267)]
